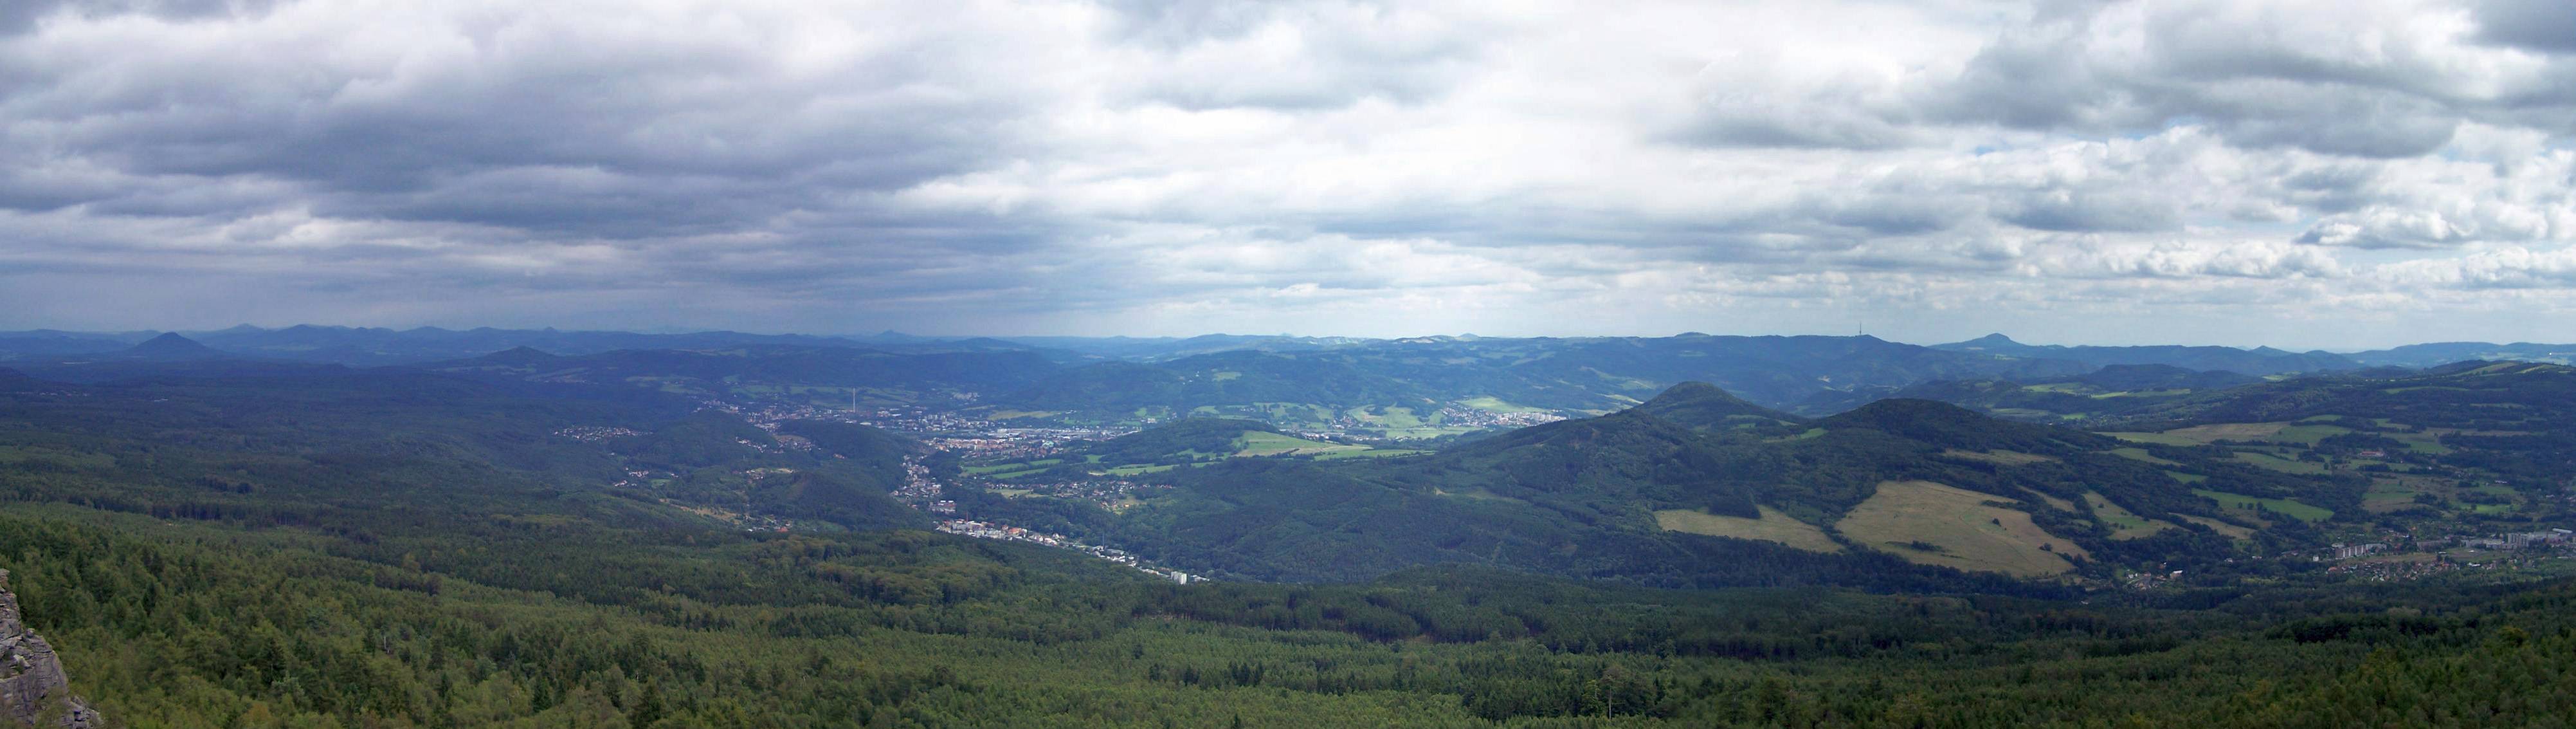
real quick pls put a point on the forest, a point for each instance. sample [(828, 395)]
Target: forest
[(193, 625), (389, 549)]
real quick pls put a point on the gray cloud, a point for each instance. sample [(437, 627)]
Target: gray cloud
[(2542, 25), (2072, 211), (1155, 167)]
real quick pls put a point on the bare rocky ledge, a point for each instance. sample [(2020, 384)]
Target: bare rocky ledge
[(32, 682)]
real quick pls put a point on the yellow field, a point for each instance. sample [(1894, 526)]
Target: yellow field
[(1772, 527), (2157, 438), (2125, 524), (1260, 443), (2000, 458), (2221, 527), (2277, 463), (1478, 493), (2061, 504), (2140, 454), (2227, 431), (1970, 535)]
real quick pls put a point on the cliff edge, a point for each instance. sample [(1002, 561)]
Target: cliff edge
[(32, 682)]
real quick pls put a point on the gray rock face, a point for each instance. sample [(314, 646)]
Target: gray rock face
[(31, 676)]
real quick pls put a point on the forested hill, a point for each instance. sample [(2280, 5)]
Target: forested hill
[(724, 628), (2477, 395), (1703, 406), (1315, 385), (2441, 353), (386, 451), (1226, 379), (1392, 388), (720, 371), (2257, 361), (1190, 439), (1766, 499), (2472, 394), (374, 346)]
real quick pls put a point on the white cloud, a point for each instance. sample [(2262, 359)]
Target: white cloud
[(1306, 166)]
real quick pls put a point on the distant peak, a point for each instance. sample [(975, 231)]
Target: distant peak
[(1703, 405), (1907, 410), (1912, 418), (1694, 390), (1995, 343), (521, 354), (170, 345)]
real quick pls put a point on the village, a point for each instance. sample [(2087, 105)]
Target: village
[(2401, 557), (1479, 418), (984, 530), (923, 492), (1113, 494), (1019, 443)]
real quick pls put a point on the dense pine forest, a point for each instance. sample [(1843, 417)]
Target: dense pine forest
[(187, 625)]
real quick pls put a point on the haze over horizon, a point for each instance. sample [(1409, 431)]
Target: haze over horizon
[(1036, 336), (2305, 175)]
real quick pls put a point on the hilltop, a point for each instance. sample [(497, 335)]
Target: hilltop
[(1703, 406), (170, 347), (1635, 495)]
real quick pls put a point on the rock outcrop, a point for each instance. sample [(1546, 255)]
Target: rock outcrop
[(32, 682)]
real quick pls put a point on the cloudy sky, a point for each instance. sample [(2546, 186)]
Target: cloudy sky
[(2336, 173)]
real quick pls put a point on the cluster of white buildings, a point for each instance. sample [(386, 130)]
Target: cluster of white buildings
[(1456, 415), (996, 442), (918, 489), (1105, 492), (984, 530), (596, 433)]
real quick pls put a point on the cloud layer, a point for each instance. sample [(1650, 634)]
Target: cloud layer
[(2338, 172)]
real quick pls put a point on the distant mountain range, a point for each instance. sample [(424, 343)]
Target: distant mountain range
[(1285, 380), (2258, 361), (2442, 353), (880, 375), (370, 346), (1596, 374)]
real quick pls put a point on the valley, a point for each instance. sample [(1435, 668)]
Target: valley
[(1154, 364), (1658, 562)]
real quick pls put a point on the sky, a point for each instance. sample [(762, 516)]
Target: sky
[(2335, 173)]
